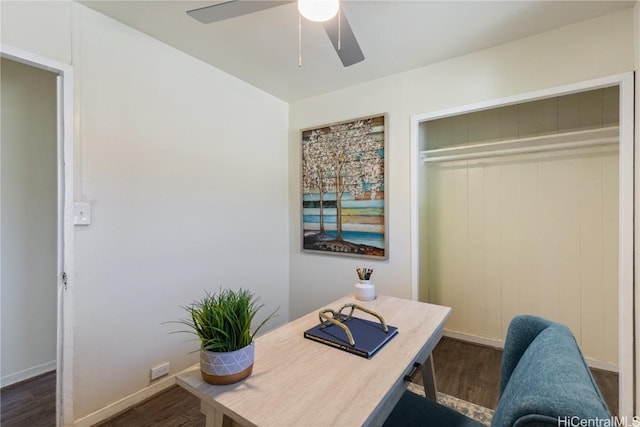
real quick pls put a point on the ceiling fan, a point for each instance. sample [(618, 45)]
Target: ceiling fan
[(337, 28)]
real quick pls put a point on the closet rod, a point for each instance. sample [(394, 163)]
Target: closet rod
[(520, 150)]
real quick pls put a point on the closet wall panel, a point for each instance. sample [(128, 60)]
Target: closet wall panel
[(532, 233)]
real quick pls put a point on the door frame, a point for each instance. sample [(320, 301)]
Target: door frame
[(64, 114), (626, 208)]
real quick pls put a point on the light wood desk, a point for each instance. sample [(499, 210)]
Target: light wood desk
[(299, 382)]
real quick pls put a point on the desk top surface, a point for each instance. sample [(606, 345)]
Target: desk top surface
[(299, 382)]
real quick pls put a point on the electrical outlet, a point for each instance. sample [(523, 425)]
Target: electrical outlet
[(160, 370)]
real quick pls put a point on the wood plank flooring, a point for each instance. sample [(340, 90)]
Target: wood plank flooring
[(29, 404), (472, 372), (467, 371), (174, 407)]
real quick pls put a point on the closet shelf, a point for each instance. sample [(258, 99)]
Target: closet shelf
[(560, 141)]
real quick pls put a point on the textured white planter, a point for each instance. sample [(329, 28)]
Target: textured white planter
[(365, 290), (227, 368)]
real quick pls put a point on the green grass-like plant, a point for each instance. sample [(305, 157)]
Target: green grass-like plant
[(222, 320)]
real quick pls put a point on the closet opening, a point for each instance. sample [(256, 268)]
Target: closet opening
[(525, 206)]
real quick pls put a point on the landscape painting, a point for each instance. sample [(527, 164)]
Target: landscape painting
[(343, 188)]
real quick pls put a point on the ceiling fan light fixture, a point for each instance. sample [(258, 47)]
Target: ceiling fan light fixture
[(318, 10)]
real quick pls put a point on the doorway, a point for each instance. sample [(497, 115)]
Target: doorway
[(36, 205), (29, 229), (618, 168)]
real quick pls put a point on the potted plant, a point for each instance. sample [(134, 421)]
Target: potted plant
[(222, 322)]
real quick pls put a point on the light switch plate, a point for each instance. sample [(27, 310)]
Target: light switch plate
[(81, 213)]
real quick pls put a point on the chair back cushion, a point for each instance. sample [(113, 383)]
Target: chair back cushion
[(550, 383), (522, 331)]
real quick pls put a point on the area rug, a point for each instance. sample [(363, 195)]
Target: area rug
[(471, 410)]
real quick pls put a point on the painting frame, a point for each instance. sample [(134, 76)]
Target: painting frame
[(343, 187)]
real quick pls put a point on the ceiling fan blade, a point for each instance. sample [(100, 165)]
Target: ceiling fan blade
[(231, 9), (349, 51)]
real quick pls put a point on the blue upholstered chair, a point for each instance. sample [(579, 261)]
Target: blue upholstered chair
[(543, 379)]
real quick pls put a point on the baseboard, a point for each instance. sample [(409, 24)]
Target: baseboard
[(123, 404), (26, 374), (475, 339), (603, 366), (499, 344)]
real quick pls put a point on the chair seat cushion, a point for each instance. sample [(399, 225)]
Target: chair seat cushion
[(550, 382), (414, 411)]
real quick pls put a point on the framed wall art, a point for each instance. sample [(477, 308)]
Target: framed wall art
[(343, 188)]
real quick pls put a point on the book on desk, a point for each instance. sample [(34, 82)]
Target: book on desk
[(369, 336)]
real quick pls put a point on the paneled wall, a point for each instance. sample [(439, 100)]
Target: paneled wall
[(531, 233), (581, 111)]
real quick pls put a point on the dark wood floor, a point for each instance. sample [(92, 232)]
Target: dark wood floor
[(467, 371), (31, 403), (471, 372)]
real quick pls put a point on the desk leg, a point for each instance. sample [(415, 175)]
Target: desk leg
[(429, 379), (214, 416)]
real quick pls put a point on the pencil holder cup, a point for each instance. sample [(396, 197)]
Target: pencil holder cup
[(365, 290)]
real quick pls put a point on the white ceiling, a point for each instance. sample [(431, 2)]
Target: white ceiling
[(262, 48)]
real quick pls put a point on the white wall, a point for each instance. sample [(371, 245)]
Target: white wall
[(42, 27), (583, 51), (637, 199), (28, 196), (186, 170)]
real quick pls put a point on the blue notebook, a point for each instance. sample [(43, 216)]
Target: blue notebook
[(368, 336)]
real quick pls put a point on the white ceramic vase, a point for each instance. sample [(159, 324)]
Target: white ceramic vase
[(222, 368), (365, 290)]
